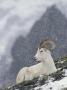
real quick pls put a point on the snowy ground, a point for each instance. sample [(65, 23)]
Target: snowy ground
[(56, 85)]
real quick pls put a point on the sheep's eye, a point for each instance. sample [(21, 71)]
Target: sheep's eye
[(41, 51)]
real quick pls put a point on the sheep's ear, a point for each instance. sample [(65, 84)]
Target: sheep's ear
[(48, 44)]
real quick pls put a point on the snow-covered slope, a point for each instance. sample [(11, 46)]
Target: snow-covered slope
[(55, 85), (60, 83)]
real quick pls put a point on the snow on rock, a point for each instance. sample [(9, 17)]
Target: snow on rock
[(55, 85)]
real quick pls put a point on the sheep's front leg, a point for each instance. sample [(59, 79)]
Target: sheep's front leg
[(42, 79), (21, 77)]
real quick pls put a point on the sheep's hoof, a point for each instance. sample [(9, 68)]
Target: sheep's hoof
[(58, 75), (42, 79)]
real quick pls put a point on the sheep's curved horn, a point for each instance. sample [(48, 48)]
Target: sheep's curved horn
[(48, 44)]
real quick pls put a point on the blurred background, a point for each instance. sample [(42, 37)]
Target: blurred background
[(23, 24)]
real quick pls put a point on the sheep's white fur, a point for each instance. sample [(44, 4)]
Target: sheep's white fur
[(45, 67)]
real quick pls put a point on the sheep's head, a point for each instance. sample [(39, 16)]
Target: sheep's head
[(44, 50)]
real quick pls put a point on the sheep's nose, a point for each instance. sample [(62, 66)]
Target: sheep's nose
[(34, 58)]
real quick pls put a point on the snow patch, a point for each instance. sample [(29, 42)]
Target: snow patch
[(55, 85)]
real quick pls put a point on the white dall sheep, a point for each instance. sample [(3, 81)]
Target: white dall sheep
[(45, 66)]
